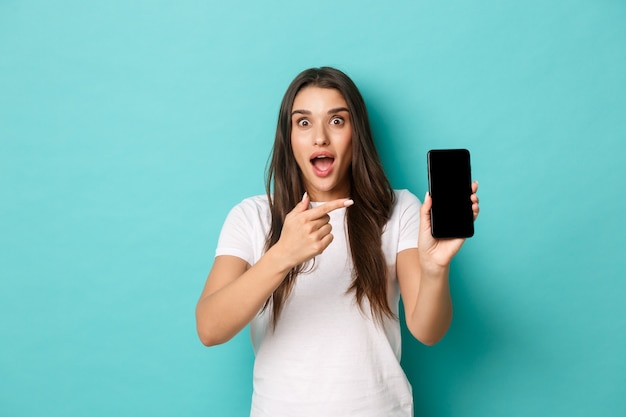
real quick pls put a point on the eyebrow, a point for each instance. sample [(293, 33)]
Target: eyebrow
[(331, 111)]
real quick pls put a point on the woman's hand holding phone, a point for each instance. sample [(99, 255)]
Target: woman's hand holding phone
[(437, 253)]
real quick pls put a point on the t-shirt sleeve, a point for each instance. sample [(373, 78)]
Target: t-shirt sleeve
[(409, 206), (236, 237)]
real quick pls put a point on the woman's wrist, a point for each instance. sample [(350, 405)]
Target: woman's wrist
[(432, 269), (279, 260)]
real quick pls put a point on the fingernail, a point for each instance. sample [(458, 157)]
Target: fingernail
[(348, 203), (303, 196)]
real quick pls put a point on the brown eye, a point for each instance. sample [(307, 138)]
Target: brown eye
[(337, 121), (303, 123)]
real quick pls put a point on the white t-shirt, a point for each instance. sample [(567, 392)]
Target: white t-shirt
[(327, 357)]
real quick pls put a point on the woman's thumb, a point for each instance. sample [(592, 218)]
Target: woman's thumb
[(304, 203)]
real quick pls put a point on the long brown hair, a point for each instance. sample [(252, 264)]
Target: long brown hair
[(369, 188)]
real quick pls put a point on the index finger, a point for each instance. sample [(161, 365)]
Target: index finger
[(326, 208), (474, 187)]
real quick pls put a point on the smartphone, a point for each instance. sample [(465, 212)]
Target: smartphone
[(450, 187)]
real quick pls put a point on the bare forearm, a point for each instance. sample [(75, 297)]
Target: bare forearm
[(423, 274), (222, 314), (432, 314), (233, 295)]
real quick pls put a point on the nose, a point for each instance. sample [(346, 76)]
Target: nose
[(321, 138)]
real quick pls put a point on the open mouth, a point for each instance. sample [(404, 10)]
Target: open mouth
[(322, 164)]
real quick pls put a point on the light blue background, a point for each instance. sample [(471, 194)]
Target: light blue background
[(128, 129)]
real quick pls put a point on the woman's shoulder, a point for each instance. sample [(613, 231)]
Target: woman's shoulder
[(250, 211), (255, 201), (405, 205), (405, 197), (253, 204)]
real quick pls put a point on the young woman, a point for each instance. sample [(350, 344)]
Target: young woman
[(317, 266)]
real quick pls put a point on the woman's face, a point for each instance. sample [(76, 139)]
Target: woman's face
[(321, 139)]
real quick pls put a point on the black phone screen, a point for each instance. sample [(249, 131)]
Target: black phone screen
[(450, 187)]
